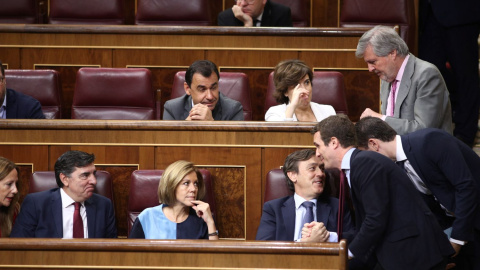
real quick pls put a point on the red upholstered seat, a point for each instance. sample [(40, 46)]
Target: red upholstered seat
[(177, 12), (113, 93), (232, 84), (369, 13), (328, 89), (86, 12), (300, 11), (144, 192), (45, 180), (19, 11), (44, 85)]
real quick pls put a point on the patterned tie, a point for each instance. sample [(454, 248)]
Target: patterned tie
[(309, 214), (392, 97), (342, 196), (77, 221)]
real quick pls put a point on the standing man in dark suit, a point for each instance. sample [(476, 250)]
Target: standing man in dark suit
[(412, 91), (284, 218), (444, 170), (393, 225), (15, 105), (203, 100), (72, 210), (250, 13), (448, 32)]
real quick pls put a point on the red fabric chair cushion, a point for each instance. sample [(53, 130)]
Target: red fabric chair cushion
[(86, 12), (168, 12)]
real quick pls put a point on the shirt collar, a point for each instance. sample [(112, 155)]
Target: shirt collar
[(67, 200), (400, 155), (402, 69), (299, 200), (346, 159)]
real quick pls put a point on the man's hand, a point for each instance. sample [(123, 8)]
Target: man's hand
[(315, 232), (369, 112), (200, 112), (456, 247), (247, 20)]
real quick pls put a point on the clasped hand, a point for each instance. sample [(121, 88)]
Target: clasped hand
[(315, 232)]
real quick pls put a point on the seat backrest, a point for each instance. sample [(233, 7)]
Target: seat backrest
[(43, 85), (300, 11), (144, 192), (113, 93), (234, 85), (168, 12), (19, 11), (86, 12), (328, 87), (45, 180), (358, 13)]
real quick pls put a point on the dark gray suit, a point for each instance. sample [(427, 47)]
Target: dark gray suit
[(422, 99), (273, 15), (226, 109)]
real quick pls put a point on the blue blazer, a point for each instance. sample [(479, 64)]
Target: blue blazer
[(41, 216), (451, 170), (21, 106), (278, 218), (393, 223)]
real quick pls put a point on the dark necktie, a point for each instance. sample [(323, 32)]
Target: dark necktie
[(309, 213), (342, 196), (77, 221), (255, 22)]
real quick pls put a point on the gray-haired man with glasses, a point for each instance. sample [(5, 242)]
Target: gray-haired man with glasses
[(250, 13)]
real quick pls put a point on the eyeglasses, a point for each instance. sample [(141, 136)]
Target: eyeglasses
[(246, 1)]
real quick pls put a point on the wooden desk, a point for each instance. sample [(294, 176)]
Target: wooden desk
[(169, 254), (237, 154), (166, 50)]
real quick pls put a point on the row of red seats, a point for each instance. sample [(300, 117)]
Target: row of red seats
[(127, 93)]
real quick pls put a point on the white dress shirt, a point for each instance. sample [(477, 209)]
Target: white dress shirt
[(67, 215)]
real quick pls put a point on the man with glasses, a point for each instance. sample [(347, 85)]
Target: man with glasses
[(250, 13), (15, 105)]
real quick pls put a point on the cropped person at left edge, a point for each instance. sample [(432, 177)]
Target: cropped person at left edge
[(181, 214), (202, 100), (8, 196), (15, 105), (72, 210)]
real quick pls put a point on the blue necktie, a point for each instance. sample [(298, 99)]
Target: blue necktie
[(309, 213)]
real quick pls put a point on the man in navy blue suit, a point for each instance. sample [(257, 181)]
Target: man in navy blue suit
[(393, 225), (445, 171), (283, 219), (52, 213), (15, 105)]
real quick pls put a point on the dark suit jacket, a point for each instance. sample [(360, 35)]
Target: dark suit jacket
[(392, 221), (453, 13), (226, 109), (273, 15), (41, 216), (21, 106), (451, 170), (278, 218)]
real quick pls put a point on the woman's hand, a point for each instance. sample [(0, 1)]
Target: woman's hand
[(203, 210)]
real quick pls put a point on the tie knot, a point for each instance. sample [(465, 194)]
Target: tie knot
[(77, 205), (308, 204)]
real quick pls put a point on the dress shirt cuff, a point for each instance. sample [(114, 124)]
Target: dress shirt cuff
[(333, 237), (350, 254), (459, 242), (289, 119), (384, 117)]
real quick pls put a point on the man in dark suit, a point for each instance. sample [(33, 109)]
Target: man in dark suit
[(448, 32), (70, 211), (284, 218), (202, 100), (394, 227), (255, 13), (15, 105), (444, 170)]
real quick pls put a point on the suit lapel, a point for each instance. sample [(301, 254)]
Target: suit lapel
[(56, 213), (11, 111), (407, 148), (187, 106), (404, 85), (323, 212), (91, 214), (288, 213)]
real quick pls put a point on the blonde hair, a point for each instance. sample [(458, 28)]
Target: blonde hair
[(172, 177), (6, 213)]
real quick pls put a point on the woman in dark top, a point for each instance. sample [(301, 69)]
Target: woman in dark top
[(8, 196), (180, 215)]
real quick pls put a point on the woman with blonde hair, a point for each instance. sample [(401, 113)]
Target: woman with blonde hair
[(9, 206), (180, 215)]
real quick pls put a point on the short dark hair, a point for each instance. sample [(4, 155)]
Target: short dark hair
[(291, 163), (373, 128), (204, 67), (70, 160), (286, 74), (338, 126), (3, 70)]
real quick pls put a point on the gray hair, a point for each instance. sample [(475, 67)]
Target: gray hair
[(384, 40)]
